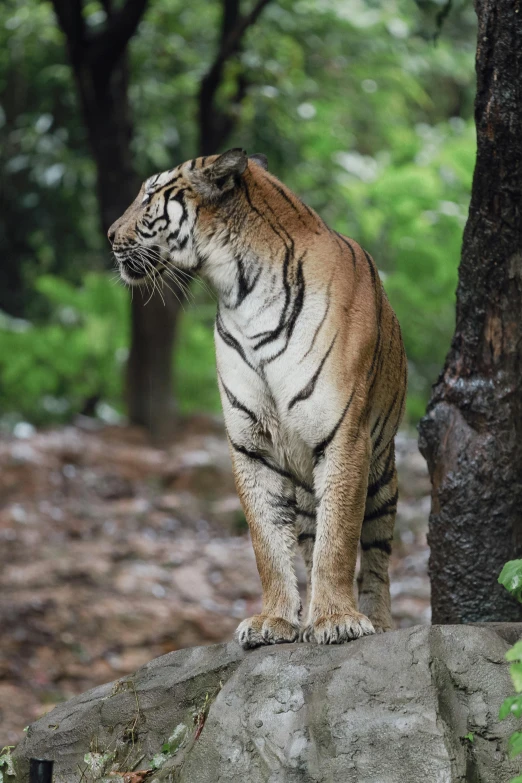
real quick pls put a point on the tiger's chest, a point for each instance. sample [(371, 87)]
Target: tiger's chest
[(261, 398)]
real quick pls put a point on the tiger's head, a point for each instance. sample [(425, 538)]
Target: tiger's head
[(177, 212)]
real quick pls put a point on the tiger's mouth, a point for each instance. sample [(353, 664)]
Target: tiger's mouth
[(136, 271)]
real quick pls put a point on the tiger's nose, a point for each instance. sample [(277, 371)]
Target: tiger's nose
[(111, 233)]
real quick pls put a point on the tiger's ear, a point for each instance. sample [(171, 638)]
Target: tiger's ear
[(260, 159), (221, 176)]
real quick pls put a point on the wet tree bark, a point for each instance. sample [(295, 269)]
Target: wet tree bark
[(471, 435), (100, 67)]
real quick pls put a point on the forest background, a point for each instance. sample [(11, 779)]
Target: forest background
[(364, 108)]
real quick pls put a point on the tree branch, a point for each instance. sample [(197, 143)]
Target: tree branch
[(214, 125), (106, 47), (124, 23), (231, 15), (70, 19), (110, 44), (233, 40)]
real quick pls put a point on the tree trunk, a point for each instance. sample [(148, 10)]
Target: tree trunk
[(150, 399), (471, 435), (99, 64), (149, 369)]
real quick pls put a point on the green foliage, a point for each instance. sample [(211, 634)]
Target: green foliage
[(515, 654), (511, 578), (194, 362), (6, 762), (169, 748), (511, 706), (358, 111), (515, 744), (50, 370)]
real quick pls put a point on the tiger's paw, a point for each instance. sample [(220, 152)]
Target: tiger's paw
[(338, 628), (381, 625), (265, 629), (377, 608)]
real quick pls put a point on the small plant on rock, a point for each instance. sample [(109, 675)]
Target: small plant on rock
[(6, 763), (511, 578)]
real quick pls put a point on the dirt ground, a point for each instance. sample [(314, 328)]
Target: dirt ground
[(113, 552)]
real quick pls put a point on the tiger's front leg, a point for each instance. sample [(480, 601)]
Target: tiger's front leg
[(268, 500), (341, 479)]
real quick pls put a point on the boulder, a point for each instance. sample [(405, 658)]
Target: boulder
[(419, 704)]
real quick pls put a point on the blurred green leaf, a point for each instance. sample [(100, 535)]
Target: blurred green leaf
[(511, 578)]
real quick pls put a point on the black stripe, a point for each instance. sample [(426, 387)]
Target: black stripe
[(285, 506), (236, 404), (379, 575), (374, 428), (384, 422), (372, 268), (192, 164), (377, 456), (200, 261), (165, 214), (384, 544), (308, 390), (274, 334), (323, 319), (382, 428), (145, 234), (299, 299), (231, 341), (390, 342), (303, 513), (321, 447), (387, 508), (385, 477), (302, 537), (348, 245), (378, 306), (254, 455), (278, 229), (376, 353), (286, 197), (390, 346), (244, 286), (294, 314)]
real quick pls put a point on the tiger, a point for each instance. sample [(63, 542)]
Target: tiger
[(312, 376)]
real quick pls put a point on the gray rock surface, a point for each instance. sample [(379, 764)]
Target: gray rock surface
[(415, 705)]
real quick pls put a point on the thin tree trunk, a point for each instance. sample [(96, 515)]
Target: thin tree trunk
[(471, 435), (100, 67), (149, 393), (149, 369)]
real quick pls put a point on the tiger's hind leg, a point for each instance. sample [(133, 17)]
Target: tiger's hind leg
[(376, 541), (305, 528)]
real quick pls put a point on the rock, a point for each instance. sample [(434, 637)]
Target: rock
[(419, 704)]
